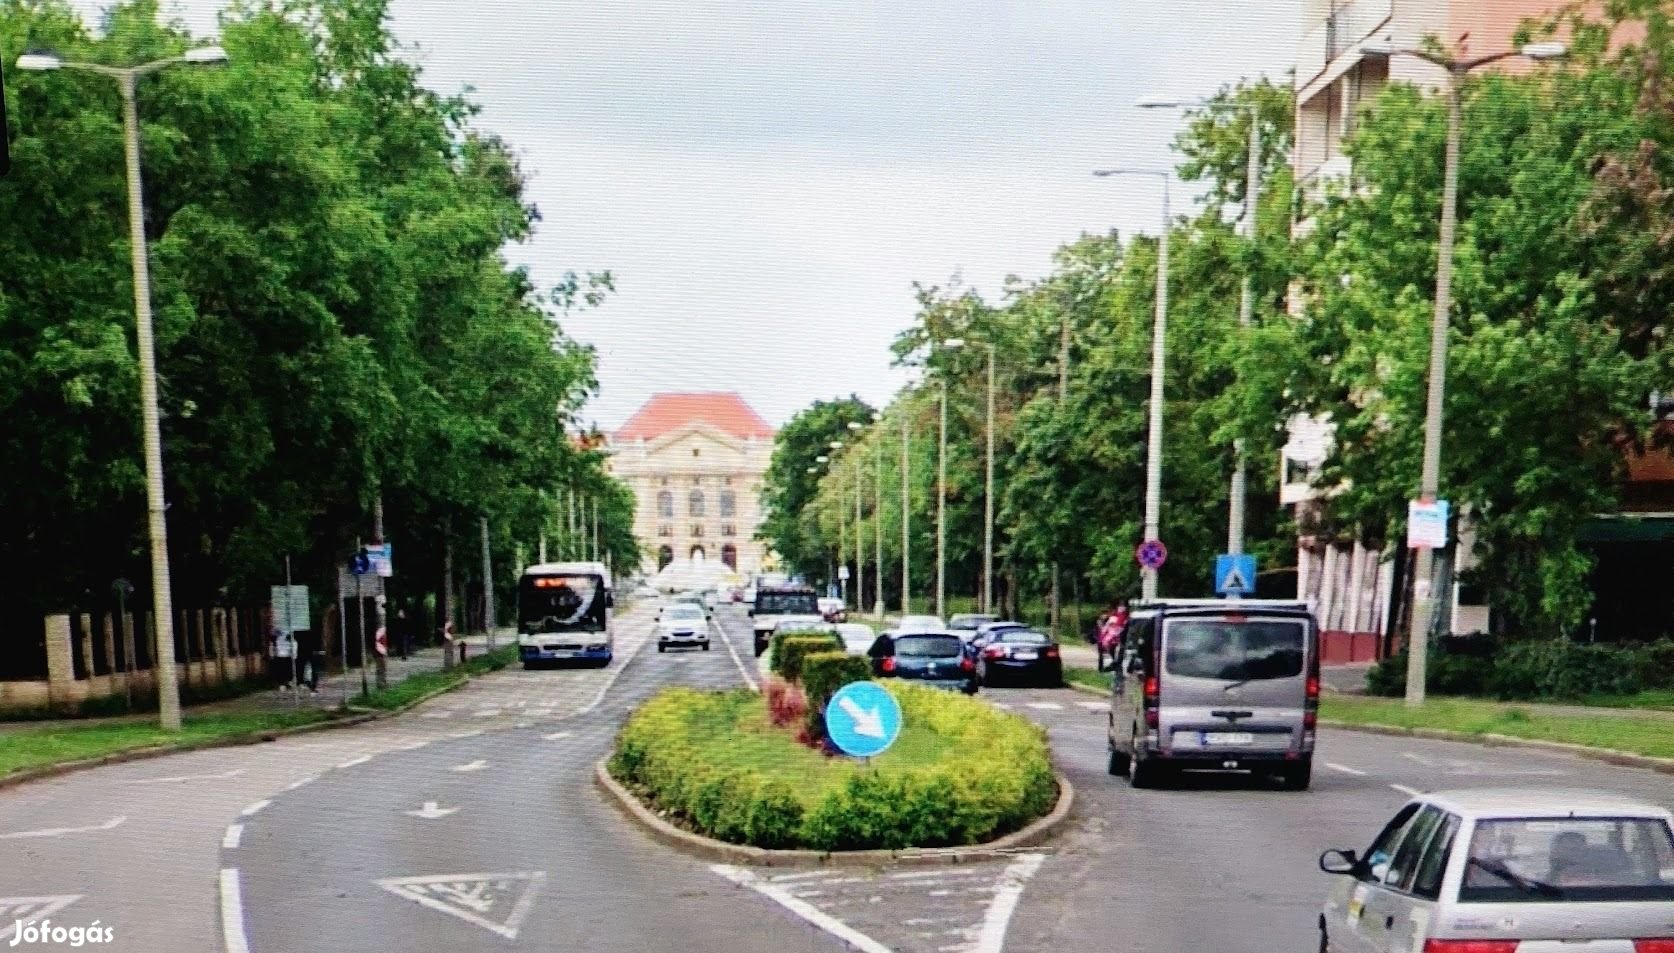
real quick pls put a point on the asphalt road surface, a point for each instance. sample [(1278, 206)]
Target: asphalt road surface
[(472, 823)]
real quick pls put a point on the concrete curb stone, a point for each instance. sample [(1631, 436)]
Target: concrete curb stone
[(708, 848)]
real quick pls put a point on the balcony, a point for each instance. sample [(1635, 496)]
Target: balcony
[(1345, 27)]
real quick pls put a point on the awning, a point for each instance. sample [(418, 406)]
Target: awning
[(1629, 528)]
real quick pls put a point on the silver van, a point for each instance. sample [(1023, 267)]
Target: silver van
[(1215, 684)]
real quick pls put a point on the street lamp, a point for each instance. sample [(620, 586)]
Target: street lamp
[(1239, 490), (951, 344), (1424, 600), (127, 79), (1159, 338), (877, 531)]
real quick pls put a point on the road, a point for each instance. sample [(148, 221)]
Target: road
[(472, 823)]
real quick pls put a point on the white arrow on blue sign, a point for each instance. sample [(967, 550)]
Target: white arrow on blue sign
[(863, 719)]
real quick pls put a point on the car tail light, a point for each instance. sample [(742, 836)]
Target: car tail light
[(966, 665), (1659, 945), (994, 651), (888, 664), (1051, 651), (1471, 946)]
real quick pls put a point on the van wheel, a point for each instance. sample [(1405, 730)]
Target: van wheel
[(1143, 774), (706, 646), (1119, 763), (1297, 777), (1324, 938)]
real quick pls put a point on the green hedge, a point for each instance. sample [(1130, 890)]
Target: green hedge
[(1530, 671), (823, 673), (789, 649), (961, 773)]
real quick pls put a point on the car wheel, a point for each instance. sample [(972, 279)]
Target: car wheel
[(1119, 762), (662, 646), (528, 665), (706, 646), (1297, 777)]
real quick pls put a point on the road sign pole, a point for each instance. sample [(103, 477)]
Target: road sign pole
[(290, 633)]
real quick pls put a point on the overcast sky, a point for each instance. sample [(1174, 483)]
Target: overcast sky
[(766, 178)]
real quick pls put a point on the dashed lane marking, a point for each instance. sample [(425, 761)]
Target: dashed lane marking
[(486, 712), (1094, 706), (1046, 706), (229, 840), (470, 766), (111, 824), (1345, 769), (555, 736), (233, 938), (1409, 792), (299, 782)]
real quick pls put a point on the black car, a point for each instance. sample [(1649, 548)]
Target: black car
[(1019, 655), (936, 658)]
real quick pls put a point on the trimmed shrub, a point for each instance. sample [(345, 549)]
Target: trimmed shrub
[(823, 673), (1547, 669), (710, 761), (788, 653)]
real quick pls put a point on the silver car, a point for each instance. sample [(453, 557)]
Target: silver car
[(682, 624), (1504, 871)]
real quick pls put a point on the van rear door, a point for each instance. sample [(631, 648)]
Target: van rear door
[(1234, 683)]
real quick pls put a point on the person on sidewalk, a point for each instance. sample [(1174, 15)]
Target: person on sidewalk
[(1110, 635), (311, 653), (403, 632), (281, 656)]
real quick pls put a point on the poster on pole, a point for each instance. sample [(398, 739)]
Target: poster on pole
[(290, 608), (381, 559), (1427, 524)]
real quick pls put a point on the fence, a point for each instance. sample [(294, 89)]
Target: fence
[(86, 656)]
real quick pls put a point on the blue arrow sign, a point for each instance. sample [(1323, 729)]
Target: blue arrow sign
[(1235, 575), (863, 719)]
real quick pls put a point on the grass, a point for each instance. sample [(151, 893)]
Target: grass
[(39, 747), (1645, 736), (1092, 678), (420, 684)]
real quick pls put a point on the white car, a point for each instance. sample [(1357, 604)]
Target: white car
[(919, 623), (857, 638), (682, 623)]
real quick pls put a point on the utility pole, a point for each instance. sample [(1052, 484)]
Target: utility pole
[(906, 518), (1063, 399), (941, 512), (381, 619), (445, 611), (595, 512), (988, 499), (859, 537), (487, 586), (1246, 316), (877, 531)]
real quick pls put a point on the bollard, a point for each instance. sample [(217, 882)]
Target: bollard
[(462, 653)]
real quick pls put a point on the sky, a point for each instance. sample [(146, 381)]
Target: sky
[(766, 179)]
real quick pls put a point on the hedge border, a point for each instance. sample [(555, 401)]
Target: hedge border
[(1031, 835)]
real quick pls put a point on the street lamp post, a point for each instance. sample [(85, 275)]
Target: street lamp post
[(988, 499), (906, 518), (941, 508), (1159, 338), (878, 509), (127, 79), (1424, 598)]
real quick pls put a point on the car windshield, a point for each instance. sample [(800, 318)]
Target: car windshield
[(801, 627), (928, 646), (969, 621), (1569, 860), (682, 613), (787, 603), (555, 602), (1234, 651), (1022, 637)]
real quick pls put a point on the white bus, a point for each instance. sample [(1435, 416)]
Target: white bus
[(564, 613)]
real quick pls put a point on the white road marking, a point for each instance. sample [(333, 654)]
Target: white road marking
[(992, 939), (27, 910), (1409, 792), (470, 766), (111, 824), (190, 777), (1003, 706), (1046, 706), (556, 735), (466, 734), (541, 712), (486, 712), (803, 909), (255, 808), (233, 939), (805, 875), (1345, 769), (437, 714), (354, 761), (743, 670), (229, 840), (1093, 706), (471, 897), (412, 745), (299, 782), (611, 678), (431, 811)]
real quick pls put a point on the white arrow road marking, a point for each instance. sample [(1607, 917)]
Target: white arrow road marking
[(866, 722), (431, 812), (27, 910), (234, 834), (190, 777), (233, 938), (993, 936), (473, 897), (470, 766), (802, 908), (556, 735), (111, 824)]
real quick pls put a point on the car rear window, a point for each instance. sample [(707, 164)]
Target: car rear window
[(683, 610), (1569, 860), (1022, 637), (787, 603), (928, 646), (1234, 651)]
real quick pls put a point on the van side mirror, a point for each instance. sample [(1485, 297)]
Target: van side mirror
[(610, 600), (1341, 862)]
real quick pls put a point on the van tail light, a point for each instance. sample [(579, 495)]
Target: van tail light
[(1471, 946), (888, 663), (1310, 722), (1313, 688), (1153, 691), (1661, 945)]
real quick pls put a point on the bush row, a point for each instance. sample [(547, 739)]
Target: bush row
[(1526, 671), (823, 673), (698, 756), (789, 647)]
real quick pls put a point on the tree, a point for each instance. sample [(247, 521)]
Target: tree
[(788, 488)]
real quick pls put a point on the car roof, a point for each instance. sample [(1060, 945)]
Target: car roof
[(1002, 624), (786, 587), (1490, 803), (569, 569), (1020, 630)]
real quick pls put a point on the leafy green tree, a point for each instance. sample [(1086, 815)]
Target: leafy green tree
[(788, 488)]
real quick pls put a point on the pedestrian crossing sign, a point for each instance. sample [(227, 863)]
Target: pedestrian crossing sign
[(1235, 575)]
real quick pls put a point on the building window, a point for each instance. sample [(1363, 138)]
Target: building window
[(697, 530), (728, 503), (698, 555), (694, 503), (665, 504), (727, 529), (662, 481), (729, 556), (665, 555), (665, 530), (696, 452)]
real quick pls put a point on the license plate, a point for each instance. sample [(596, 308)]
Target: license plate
[(1227, 738), (1025, 656)]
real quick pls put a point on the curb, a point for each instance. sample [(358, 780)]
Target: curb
[(360, 717), (1088, 689), (1624, 759), (711, 849)]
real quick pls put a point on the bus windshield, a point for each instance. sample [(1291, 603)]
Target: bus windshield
[(561, 603)]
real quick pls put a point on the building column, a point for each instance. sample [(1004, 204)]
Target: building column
[(1357, 578)]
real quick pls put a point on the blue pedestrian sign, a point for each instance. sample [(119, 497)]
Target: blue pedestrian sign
[(863, 719), (1235, 575)]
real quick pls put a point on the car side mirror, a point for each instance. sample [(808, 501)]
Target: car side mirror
[(1341, 862)]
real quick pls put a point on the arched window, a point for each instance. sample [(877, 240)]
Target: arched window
[(698, 555), (729, 555), (694, 503), (728, 503), (665, 555), (665, 504)]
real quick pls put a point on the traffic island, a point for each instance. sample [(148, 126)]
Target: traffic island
[(713, 774)]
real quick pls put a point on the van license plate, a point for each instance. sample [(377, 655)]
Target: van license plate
[(1227, 738)]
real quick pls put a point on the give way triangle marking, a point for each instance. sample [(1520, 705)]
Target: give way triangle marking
[(496, 902), (27, 910)]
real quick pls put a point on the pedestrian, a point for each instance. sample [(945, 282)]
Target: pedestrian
[(281, 658), (311, 655), (1110, 635), (403, 632)]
